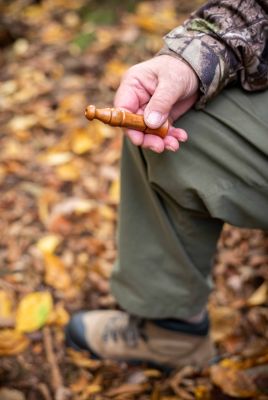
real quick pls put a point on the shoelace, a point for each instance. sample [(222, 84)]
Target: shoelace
[(130, 333)]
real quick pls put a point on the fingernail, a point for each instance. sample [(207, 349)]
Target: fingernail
[(170, 148), (154, 118), (184, 137), (155, 149)]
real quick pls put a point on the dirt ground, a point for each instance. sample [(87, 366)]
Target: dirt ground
[(59, 185)]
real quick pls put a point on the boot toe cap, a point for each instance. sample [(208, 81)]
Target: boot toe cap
[(75, 333)]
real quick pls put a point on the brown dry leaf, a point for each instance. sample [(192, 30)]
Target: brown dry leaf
[(81, 359), (11, 394), (170, 398), (45, 200), (33, 311), (224, 321), (56, 275), (127, 389), (73, 205), (233, 382), (260, 296), (3, 173), (14, 150), (12, 342), (80, 383), (5, 305), (70, 106), (152, 373)]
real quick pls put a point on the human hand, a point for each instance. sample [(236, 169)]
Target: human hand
[(160, 88)]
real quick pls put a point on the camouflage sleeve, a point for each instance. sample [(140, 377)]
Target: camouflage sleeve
[(224, 41)]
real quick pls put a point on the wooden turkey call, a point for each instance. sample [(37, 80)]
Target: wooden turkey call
[(125, 119)]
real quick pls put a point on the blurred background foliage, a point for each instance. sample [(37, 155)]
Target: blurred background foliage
[(59, 192)]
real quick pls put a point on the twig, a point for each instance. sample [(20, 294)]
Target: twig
[(43, 389), (61, 393)]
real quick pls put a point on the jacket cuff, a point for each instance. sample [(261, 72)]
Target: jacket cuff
[(209, 58)]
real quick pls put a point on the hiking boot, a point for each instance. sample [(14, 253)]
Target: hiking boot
[(116, 335)]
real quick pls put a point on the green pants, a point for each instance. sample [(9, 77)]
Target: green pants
[(173, 205)]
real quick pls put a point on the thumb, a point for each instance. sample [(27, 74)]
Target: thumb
[(160, 104)]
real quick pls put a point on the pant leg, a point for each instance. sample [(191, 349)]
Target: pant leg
[(173, 205)]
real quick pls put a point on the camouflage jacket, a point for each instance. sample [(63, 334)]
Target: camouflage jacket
[(224, 41)]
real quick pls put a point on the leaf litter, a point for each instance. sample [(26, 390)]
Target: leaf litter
[(59, 185)]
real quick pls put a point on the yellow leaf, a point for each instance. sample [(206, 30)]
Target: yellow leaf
[(68, 172), (82, 141), (53, 33), (5, 305), (107, 212), (48, 244), (33, 311), (22, 122), (260, 296), (70, 106), (92, 389), (55, 273), (81, 359), (58, 316), (158, 20), (114, 192), (54, 158), (12, 342), (113, 72)]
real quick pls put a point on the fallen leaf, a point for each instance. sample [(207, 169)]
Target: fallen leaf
[(11, 394), (45, 201), (5, 305), (12, 342), (233, 382), (224, 321), (48, 244), (114, 192), (55, 158), (22, 122), (260, 296), (82, 141), (81, 359), (56, 275), (58, 316), (127, 388), (113, 72), (68, 172), (33, 311), (157, 20)]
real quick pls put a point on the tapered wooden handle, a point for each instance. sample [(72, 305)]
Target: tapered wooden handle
[(125, 119)]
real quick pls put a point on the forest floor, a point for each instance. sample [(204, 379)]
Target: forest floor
[(59, 185)]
